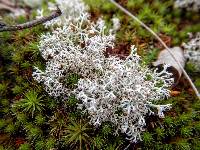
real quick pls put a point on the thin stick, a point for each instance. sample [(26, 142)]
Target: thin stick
[(161, 41), (32, 23)]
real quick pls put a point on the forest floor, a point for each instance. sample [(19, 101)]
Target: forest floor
[(46, 129)]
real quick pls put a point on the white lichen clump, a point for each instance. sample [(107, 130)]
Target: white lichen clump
[(192, 50), (110, 89), (190, 5)]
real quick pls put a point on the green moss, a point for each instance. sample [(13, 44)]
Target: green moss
[(40, 119), (184, 119), (77, 134), (160, 133), (34, 133), (17, 89), (21, 117), (159, 83), (51, 103), (1, 147), (197, 128), (148, 77), (50, 143), (10, 128), (3, 88), (5, 36), (150, 56), (186, 131), (40, 145), (147, 139), (31, 104), (21, 19), (99, 142), (197, 82), (183, 145), (4, 102), (106, 129), (72, 101), (25, 146), (25, 65), (2, 123), (195, 144), (167, 147), (72, 80)]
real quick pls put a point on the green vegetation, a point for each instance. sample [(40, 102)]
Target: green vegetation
[(30, 119), (31, 104), (77, 135)]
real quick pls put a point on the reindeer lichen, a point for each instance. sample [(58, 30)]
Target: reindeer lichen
[(109, 88)]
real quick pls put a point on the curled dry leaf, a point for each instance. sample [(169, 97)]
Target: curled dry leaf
[(6, 7), (164, 57), (8, 3), (10, 7)]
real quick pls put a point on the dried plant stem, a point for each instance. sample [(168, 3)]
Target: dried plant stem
[(32, 23), (161, 41)]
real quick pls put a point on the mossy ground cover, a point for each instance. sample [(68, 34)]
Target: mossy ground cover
[(30, 119)]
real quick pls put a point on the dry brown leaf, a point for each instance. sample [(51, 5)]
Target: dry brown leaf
[(175, 93), (14, 11), (164, 57), (8, 3)]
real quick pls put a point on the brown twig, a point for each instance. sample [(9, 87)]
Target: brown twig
[(32, 23)]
